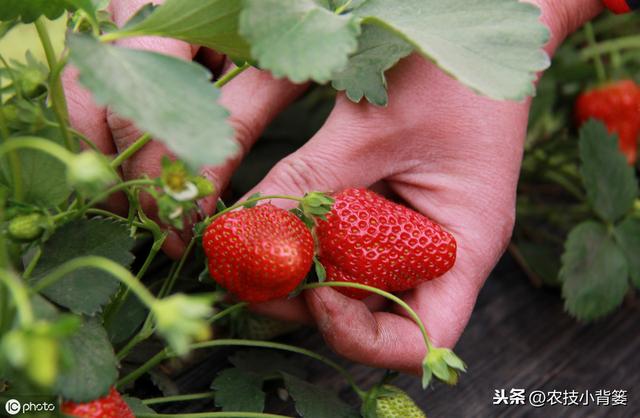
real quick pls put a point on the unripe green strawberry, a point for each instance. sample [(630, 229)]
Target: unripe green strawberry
[(258, 254), (370, 240), (26, 227), (110, 406), (395, 403)]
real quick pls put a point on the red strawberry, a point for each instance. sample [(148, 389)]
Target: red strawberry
[(618, 106), (259, 254), (370, 240), (111, 406)]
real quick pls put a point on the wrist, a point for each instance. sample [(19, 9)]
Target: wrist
[(563, 17)]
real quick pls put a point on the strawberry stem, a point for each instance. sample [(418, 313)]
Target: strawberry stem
[(58, 100), (102, 263), (179, 398), (597, 58), (384, 294), (231, 75), (227, 311), (14, 158), (441, 362), (131, 149), (20, 297), (599, 48), (168, 353)]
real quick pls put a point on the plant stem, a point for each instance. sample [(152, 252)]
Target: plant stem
[(132, 149), (342, 8), (58, 100), (32, 264), (179, 398), (174, 276), (167, 353), (14, 161), (214, 415), (597, 58), (20, 297), (120, 186), (37, 144), (116, 305), (231, 75), (102, 263), (384, 294), (227, 311), (596, 49), (100, 212)]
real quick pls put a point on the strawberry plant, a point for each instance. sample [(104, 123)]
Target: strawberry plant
[(78, 293), (579, 202)]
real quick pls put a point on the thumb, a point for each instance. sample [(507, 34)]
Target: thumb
[(342, 154)]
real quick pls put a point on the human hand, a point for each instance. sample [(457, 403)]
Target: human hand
[(448, 153), (253, 98)]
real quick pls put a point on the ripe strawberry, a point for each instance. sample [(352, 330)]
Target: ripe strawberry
[(259, 254), (110, 406), (370, 240), (395, 403), (618, 106)]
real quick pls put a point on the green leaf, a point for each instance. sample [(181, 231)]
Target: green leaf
[(139, 16), (94, 365), (610, 182), (321, 272), (238, 390), (85, 290), (252, 204), (30, 10), (298, 39), (542, 259), (378, 51), (492, 46), (627, 234), (594, 272), (315, 402), (44, 178), (170, 98), (137, 407), (127, 319), (210, 23)]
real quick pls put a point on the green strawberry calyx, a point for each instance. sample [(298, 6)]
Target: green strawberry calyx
[(444, 364)]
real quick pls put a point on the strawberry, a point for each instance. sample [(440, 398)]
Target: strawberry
[(395, 403), (110, 406), (617, 105), (259, 254), (370, 240)]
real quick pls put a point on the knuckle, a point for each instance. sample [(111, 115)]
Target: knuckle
[(246, 132), (123, 130), (299, 172)]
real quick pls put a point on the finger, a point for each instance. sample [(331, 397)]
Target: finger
[(90, 120), (147, 161), (378, 339), (254, 98), (296, 310), (342, 154)]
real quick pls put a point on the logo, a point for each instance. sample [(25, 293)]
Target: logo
[(13, 407)]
